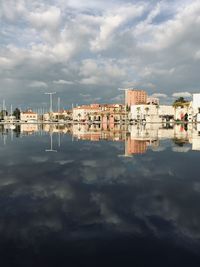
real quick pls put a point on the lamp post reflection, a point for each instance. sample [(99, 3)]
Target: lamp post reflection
[(51, 144)]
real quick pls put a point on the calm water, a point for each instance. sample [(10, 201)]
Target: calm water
[(83, 196)]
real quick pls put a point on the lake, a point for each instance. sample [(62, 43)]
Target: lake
[(87, 195)]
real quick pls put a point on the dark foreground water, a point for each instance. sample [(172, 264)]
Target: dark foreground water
[(88, 205)]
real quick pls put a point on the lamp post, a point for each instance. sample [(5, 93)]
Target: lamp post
[(51, 102)]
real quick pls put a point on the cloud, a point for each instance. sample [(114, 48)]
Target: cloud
[(182, 94), (181, 149), (100, 45), (63, 82), (38, 84), (49, 18), (159, 95)]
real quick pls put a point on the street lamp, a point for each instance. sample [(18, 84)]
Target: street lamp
[(51, 101)]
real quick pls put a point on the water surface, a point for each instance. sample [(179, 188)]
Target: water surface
[(87, 196)]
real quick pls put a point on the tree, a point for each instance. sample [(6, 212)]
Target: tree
[(157, 107), (147, 110), (79, 116), (3, 113), (138, 110), (180, 102), (16, 113)]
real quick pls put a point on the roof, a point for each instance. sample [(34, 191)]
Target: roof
[(29, 112)]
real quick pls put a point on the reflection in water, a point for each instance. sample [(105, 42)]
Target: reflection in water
[(88, 206), (137, 138)]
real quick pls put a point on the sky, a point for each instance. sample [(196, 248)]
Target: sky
[(86, 49)]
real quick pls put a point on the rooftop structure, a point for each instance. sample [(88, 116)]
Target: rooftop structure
[(152, 101)]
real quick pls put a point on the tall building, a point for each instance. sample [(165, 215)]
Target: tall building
[(196, 102), (135, 97)]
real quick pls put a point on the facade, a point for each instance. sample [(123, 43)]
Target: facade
[(28, 116), (10, 119), (63, 115), (152, 113), (135, 97), (196, 106), (84, 113), (148, 113), (166, 110), (196, 102)]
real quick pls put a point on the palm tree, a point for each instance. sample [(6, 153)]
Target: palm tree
[(147, 110), (157, 107), (79, 115), (138, 110)]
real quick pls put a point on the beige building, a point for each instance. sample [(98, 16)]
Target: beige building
[(28, 116), (84, 112)]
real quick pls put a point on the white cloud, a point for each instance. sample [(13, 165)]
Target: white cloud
[(49, 18), (63, 82), (101, 45), (159, 95), (182, 94), (90, 80), (111, 21), (181, 149), (38, 84)]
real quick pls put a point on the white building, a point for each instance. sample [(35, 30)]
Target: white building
[(82, 113), (28, 116), (196, 102), (196, 106), (152, 113), (166, 110)]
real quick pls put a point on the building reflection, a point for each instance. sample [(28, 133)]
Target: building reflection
[(137, 139)]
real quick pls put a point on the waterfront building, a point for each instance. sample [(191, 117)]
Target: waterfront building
[(166, 110), (28, 116), (196, 106), (9, 119), (149, 113), (86, 113), (152, 113), (196, 101), (62, 115)]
